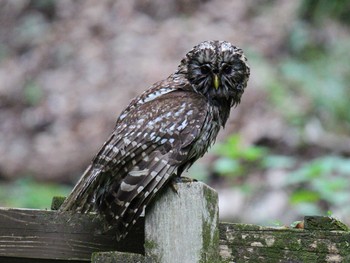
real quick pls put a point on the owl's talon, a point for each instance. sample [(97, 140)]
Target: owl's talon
[(184, 179), (180, 179), (174, 186)]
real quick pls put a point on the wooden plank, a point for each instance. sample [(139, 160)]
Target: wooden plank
[(36, 260), (251, 243), (41, 234)]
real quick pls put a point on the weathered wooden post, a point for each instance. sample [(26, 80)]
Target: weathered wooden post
[(183, 226), (179, 227)]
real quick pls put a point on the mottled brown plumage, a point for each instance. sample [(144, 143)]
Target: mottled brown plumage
[(161, 133)]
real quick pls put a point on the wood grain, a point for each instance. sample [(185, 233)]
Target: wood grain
[(41, 234)]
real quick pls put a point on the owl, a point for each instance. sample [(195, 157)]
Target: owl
[(160, 134)]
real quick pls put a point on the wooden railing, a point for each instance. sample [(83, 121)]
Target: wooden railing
[(180, 227)]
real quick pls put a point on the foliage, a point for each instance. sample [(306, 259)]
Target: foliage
[(309, 84), (236, 159), (315, 185), (28, 193), (316, 11), (310, 81), (323, 179), (318, 86)]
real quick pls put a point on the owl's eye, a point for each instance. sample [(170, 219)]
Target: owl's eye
[(205, 69), (227, 69)]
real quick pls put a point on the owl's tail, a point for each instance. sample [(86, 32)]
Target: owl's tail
[(81, 199)]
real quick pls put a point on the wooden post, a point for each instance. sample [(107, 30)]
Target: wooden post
[(183, 226), (179, 227)]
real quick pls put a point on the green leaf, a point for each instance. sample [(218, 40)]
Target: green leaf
[(304, 196), (253, 153), (226, 166)]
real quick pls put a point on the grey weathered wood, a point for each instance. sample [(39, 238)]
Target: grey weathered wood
[(183, 226), (180, 227), (41, 234)]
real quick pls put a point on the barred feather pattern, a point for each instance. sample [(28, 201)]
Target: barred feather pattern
[(160, 134)]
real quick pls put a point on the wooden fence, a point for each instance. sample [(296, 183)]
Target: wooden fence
[(180, 227)]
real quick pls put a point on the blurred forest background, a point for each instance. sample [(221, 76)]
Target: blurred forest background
[(68, 68)]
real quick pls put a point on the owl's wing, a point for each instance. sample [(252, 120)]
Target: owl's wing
[(153, 152), (145, 150)]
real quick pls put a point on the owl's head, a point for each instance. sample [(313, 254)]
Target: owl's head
[(218, 70)]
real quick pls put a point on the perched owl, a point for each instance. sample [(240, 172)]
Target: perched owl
[(162, 133)]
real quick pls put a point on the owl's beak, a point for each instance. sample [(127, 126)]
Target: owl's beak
[(216, 81)]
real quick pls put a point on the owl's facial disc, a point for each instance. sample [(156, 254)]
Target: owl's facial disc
[(218, 70)]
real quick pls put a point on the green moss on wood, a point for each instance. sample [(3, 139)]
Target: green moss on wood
[(210, 236), (57, 201), (151, 245), (246, 243), (117, 257), (324, 223)]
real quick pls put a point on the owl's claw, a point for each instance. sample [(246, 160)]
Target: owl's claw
[(174, 186), (180, 179), (184, 179)]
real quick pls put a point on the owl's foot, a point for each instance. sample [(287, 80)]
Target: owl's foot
[(184, 179), (180, 179)]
